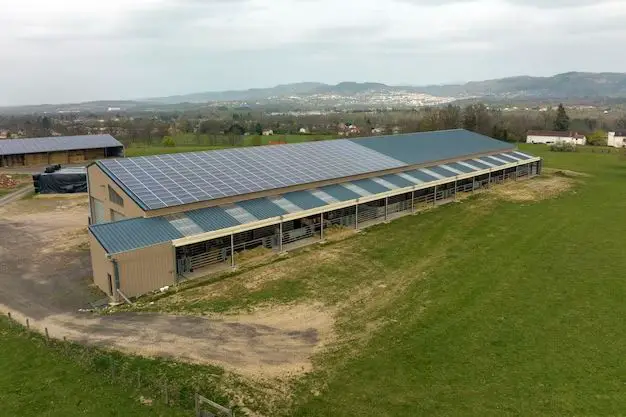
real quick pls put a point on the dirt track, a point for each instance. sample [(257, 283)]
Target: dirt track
[(45, 275)]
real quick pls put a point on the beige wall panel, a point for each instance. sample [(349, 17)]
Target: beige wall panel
[(98, 189), (145, 270), (100, 265)]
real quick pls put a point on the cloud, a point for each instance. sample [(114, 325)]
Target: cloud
[(79, 50)]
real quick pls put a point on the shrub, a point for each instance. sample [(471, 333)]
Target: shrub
[(563, 147), (168, 141)]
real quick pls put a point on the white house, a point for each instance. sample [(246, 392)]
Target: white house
[(535, 136), (268, 132), (303, 130), (617, 139)]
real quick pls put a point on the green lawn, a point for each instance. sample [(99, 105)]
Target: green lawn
[(191, 143), (69, 380), (484, 308), (522, 316)]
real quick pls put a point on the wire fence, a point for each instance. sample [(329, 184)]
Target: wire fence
[(150, 381)]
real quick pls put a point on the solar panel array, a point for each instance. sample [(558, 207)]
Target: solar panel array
[(176, 179)]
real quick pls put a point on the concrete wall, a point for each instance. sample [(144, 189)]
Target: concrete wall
[(98, 189), (554, 139), (145, 270)]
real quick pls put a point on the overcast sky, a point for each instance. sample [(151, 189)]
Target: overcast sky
[(76, 50)]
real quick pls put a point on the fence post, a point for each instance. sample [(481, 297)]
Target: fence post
[(197, 404), (27, 323), (9, 314), (47, 335)]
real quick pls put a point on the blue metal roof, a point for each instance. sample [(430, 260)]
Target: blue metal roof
[(421, 175), (397, 180), (129, 234), (304, 199), (491, 160), (371, 186), (477, 163), (340, 192), (460, 167), (57, 143), (424, 147), (212, 218), (442, 171), (261, 208), (506, 157)]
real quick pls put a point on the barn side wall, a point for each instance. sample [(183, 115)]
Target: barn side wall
[(100, 265), (99, 184), (145, 270)]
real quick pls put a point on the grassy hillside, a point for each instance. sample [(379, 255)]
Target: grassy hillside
[(487, 307)]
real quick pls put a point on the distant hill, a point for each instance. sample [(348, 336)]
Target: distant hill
[(567, 85)]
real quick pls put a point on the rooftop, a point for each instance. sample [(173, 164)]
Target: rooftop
[(557, 134), (159, 181), (130, 234), (56, 143)]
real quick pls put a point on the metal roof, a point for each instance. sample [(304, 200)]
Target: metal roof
[(130, 234), (57, 143), (424, 147), (135, 233), (160, 181)]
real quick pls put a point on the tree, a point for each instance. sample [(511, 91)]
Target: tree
[(597, 138), (258, 129), (168, 141), (45, 123), (561, 123)]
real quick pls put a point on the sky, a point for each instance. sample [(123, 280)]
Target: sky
[(79, 50)]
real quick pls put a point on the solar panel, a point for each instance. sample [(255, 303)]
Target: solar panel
[(176, 179)]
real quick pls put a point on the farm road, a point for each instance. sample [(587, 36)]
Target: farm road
[(45, 275)]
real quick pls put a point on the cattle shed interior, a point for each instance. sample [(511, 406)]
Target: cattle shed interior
[(58, 150), (157, 221)]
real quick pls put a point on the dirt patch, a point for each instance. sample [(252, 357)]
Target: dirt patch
[(539, 188)]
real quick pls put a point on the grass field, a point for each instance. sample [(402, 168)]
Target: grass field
[(39, 380), (487, 307)]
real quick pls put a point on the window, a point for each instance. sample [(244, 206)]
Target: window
[(115, 197), (110, 284)]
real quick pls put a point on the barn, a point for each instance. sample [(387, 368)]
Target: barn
[(58, 150), (156, 221)]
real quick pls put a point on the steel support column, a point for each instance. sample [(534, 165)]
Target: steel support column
[(280, 234), (473, 184), (435, 197), (356, 215), (321, 226), (455, 189), (386, 206), (232, 250), (413, 201), (516, 172), (489, 180)]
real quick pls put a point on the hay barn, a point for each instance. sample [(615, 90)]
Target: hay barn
[(58, 150), (158, 220)]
